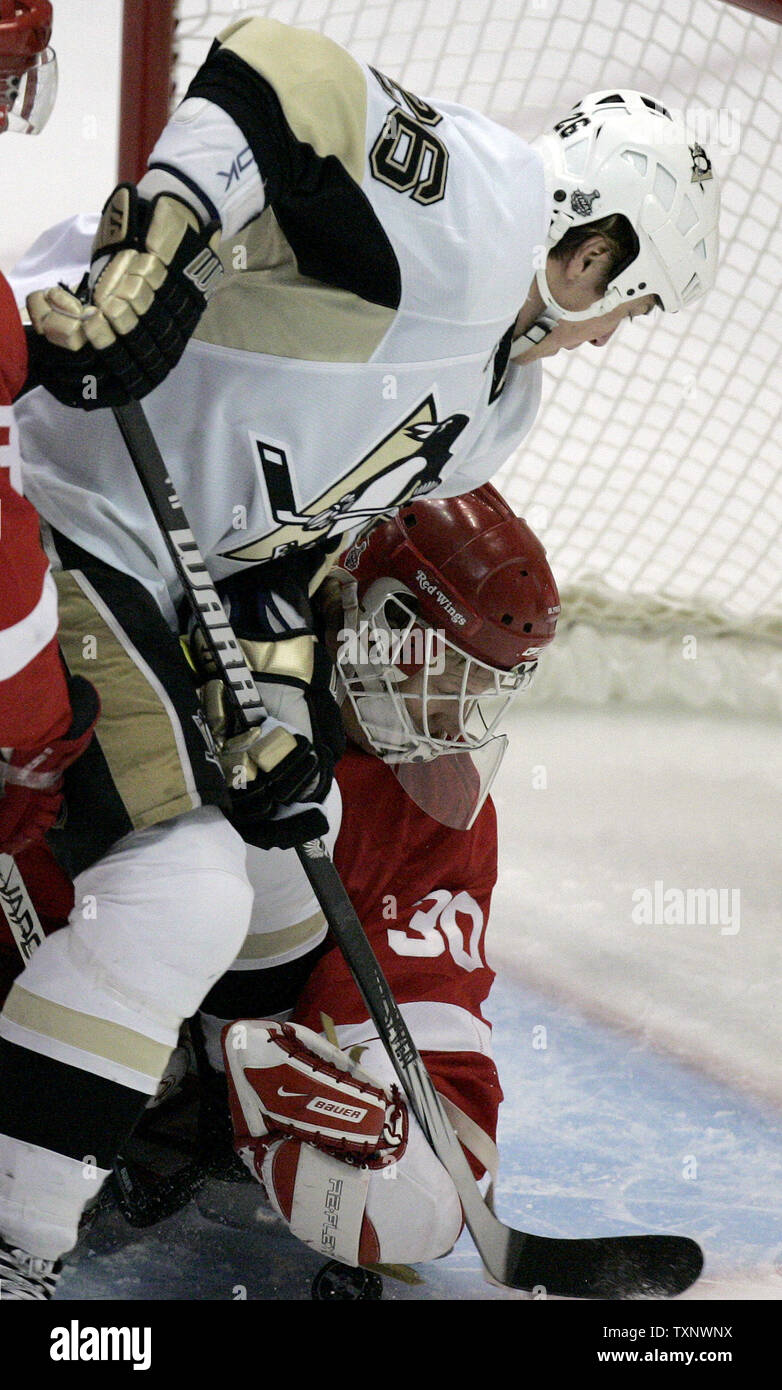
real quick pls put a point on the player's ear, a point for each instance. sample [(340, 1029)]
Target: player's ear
[(587, 260)]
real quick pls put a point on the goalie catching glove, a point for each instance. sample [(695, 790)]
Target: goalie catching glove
[(286, 1082), (153, 269)]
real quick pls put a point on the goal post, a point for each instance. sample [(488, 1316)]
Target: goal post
[(147, 81), (653, 474)]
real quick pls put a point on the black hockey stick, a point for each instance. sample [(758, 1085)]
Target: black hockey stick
[(609, 1267)]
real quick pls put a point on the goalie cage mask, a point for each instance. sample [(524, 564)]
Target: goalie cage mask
[(447, 606), (28, 66), (622, 152)]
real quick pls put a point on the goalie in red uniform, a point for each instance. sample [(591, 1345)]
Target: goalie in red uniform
[(437, 618)]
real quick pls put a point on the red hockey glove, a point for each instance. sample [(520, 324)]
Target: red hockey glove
[(31, 780)]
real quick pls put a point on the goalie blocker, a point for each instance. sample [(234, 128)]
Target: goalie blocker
[(340, 1157)]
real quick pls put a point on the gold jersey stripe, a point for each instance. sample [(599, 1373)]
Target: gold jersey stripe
[(265, 305), (137, 715), (262, 945), (89, 1034), (321, 88)]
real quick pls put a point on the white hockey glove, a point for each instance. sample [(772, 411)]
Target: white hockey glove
[(153, 269)]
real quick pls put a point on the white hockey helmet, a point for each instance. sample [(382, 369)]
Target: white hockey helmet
[(622, 152)]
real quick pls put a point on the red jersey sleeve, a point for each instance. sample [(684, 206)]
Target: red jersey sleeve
[(423, 893), (33, 695)]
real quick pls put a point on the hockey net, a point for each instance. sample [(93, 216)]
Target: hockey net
[(654, 473)]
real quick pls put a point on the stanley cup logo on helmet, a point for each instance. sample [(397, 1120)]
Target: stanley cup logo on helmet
[(637, 158), (582, 203)]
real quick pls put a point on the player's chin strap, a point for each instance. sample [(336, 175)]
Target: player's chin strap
[(535, 334), (610, 1267)]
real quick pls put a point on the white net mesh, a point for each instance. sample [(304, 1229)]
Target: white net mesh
[(656, 463)]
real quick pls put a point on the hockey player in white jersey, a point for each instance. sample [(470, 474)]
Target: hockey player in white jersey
[(393, 269), (390, 265)]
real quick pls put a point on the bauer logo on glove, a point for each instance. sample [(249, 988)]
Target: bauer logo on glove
[(285, 1079)]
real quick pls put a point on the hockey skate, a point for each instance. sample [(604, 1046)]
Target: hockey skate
[(26, 1278)]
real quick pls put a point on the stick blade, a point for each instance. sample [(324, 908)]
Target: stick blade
[(610, 1267)]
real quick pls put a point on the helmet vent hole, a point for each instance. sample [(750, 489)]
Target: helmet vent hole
[(507, 618), (664, 188), (575, 160), (397, 616), (638, 161), (523, 574), (528, 627), (410, 520), (687, 217)]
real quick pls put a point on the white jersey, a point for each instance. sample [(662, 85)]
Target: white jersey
[(356, 353)]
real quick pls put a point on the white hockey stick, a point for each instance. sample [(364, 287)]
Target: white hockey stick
[(609, 1267), (19, 909)]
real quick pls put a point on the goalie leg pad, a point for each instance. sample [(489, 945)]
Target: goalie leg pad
[(405, 1213), (284, 1078), (340, 1157), (321, 1198)]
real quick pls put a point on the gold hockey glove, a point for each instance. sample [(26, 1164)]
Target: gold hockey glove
[(153, 269)]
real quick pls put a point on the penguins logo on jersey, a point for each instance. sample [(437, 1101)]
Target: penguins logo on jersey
[(407, 462)]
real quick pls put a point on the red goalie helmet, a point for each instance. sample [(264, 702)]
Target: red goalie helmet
[(28, 67), (447, 606), (476, 571)]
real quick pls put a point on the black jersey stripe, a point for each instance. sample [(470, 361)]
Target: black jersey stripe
[(326, 217)]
